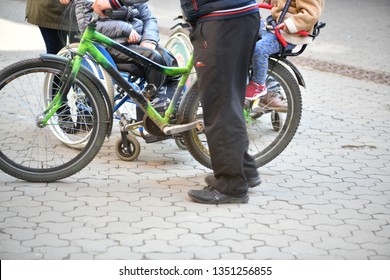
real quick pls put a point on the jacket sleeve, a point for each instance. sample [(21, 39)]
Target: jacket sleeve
[(111, 28), (83, 13), (308, 13), (150, 27), (114, 28)]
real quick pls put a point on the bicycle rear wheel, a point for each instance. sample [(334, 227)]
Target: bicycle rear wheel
[(34, 153), (179, 44), (269, 132)]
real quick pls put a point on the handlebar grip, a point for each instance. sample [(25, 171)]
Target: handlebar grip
[(95, 17), (108, 12)]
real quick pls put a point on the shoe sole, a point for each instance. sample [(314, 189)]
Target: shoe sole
[(208, 179), (236, 200)]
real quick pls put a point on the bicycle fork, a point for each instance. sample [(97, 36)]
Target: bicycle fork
[(66, 81)]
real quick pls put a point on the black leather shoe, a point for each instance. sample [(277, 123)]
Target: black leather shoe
[(210, 195), (252, 182)]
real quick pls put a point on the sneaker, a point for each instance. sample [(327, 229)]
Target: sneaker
[(159, 102), (252, 182), (254, 91), (273, 101), (210, 195)]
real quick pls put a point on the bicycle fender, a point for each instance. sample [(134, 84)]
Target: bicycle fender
[(295, 70), (93, 78)]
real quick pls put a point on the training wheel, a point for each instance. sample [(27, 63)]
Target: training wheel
[(277, 120), (180, 143), (128, 153)]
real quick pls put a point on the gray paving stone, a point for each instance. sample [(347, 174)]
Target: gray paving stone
[(60, 228), (381, 249), (82, 233), (189, 239), (46, 239), (323, 209), (353, 254), (119, 253), (334, 242), (200, 228), (309, 236), (303, 250), (85, 211), (156, 246), (63, 206), (57, 253), (316, 219), (93, 247), (343, 231), (204, 253), (26, 201), (242, 246), (29, 211), (277, 241), (269, 253), (287, 224), (118, 228), (223, 233), (22, 234), (5, 214), (153, 222), (15, 221), (363, 236)]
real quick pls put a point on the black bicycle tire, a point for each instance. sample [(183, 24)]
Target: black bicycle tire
[(291, 124), (291, 87), (85, 156)]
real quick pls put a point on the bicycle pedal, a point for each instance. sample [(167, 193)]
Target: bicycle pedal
[(149, 91)]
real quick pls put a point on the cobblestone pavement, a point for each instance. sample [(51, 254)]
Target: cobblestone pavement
[(327, 196)]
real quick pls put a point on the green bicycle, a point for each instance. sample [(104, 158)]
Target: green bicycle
[(52, 95)]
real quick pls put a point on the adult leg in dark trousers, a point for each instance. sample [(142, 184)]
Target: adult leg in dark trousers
[(56, 39), (222, 54)]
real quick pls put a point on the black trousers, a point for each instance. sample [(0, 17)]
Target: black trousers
[(159, 55), (56, 39), (223, 51)]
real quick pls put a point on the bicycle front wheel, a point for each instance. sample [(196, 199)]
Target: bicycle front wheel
[(33, 152), (89, 63), (269, 131)]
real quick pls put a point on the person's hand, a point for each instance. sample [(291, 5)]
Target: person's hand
[(133, 37), (101, 5), (64, 2), (148, 45)]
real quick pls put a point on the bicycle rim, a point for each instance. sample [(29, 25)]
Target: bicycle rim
[(33, 153)]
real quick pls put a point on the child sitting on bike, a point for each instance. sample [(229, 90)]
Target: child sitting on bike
[(291, 16), (136, 28)]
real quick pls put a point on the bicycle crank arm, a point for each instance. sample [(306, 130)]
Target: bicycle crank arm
[(174, 129)]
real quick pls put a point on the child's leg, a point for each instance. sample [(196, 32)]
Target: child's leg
[(268, 45)]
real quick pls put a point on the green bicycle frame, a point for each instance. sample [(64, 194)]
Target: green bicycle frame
[(91, 36)]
